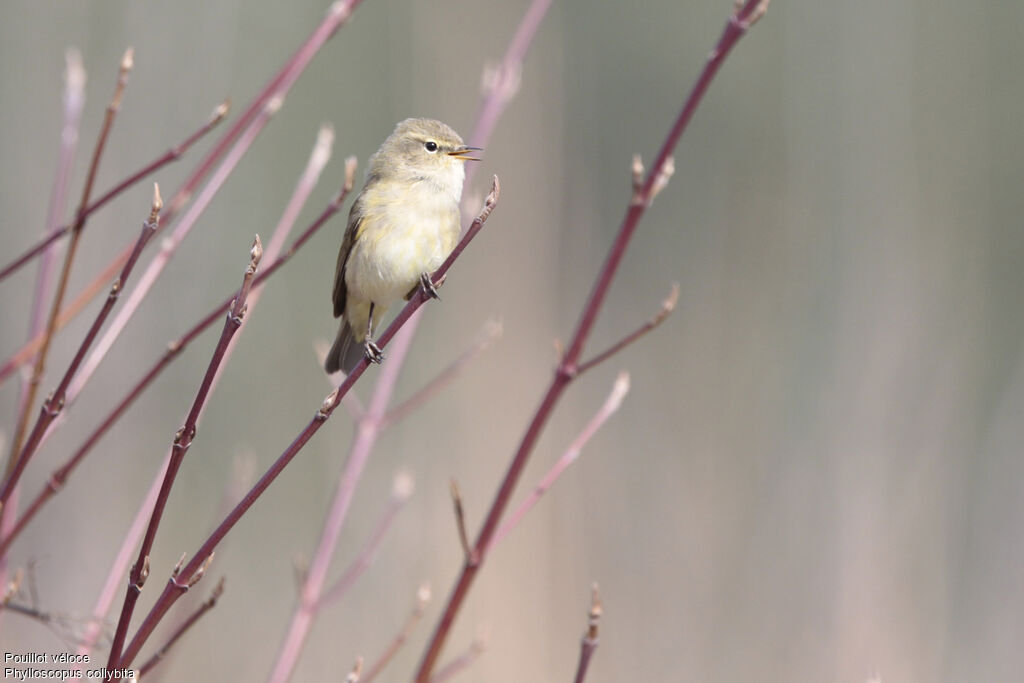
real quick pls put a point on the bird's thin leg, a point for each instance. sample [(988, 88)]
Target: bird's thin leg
[(373, 352)]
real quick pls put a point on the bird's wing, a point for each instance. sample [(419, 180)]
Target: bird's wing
[(355, 219)]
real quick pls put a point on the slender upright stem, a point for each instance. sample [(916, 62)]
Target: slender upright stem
[(736, 26), (182, 442), (62, 283)]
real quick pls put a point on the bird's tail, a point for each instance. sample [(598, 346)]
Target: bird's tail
[(346, 352)]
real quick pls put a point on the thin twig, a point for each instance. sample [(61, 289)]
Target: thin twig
[(169, 244), (401, 490), (489, 334), (205, 607), (69, 257), (74, 102), (589, 641), (172, 591), (422, 598), (667, 306), (60, 476), (182, 441), (735, 28), (171, 155), (53, 405), (462, 661), (611, 405)]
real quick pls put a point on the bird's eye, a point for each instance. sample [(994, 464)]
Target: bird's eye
[(430, 145)]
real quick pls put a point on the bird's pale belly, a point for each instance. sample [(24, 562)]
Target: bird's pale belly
[(389, 256)]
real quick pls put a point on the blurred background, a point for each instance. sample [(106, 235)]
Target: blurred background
[(817, 472)]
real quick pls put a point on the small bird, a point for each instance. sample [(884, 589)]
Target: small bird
[(402, 226)]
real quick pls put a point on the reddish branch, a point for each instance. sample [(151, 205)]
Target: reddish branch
[(55, 402), (174, 589), (69, 257), (401, 490), (182, 441), (60, 476), (171, 155), (741, 19)]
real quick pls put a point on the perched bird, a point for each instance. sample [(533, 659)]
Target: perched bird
[(402, 226)]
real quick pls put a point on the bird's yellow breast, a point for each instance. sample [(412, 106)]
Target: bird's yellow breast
[(405, 229)]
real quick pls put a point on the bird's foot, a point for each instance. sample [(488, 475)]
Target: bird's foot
[(373, 352), (428, 286)]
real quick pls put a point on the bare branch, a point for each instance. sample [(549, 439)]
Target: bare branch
[(667, 306), (611, 405), (182, 442), (62, 282), (401, 491), (171, 155), (589, 642), (53, 405), (422, 598), (462, 661), (488, 336)]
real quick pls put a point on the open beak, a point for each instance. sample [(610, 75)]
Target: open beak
[(464, 152)]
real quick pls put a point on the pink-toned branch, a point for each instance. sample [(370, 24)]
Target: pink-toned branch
[(422, 598), (611, 405), (62, 282), (74, 102), (173, 590), (740, 20), (169, 245), (169, 156), (462, 661), (488, 336), (55, 402), (400, 493), (182, 441)]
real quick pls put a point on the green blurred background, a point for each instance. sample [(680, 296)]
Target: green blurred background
[(817, 473)]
